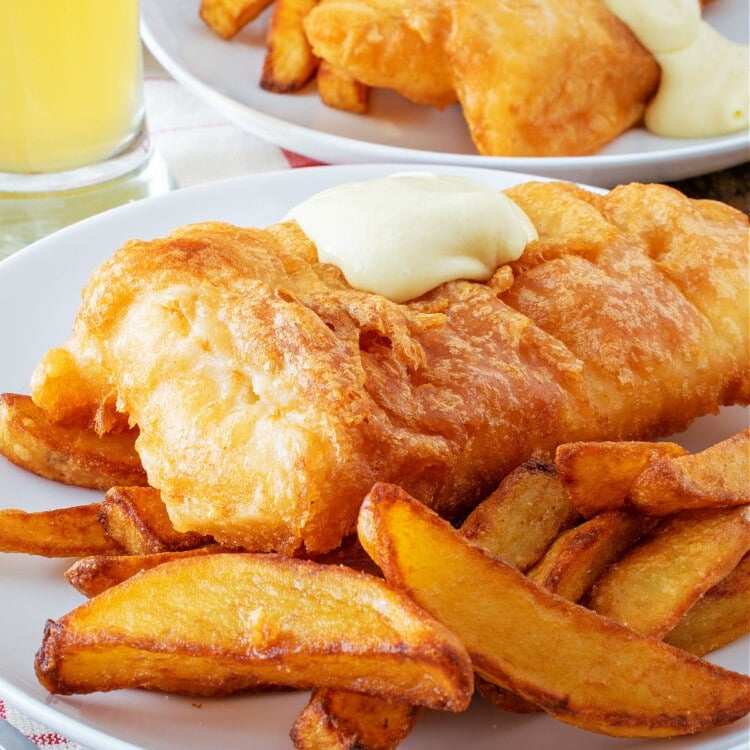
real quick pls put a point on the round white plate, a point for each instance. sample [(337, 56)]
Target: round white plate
[(226, 73), (39, 294)]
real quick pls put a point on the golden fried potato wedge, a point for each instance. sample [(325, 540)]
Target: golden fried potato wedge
[(220, 624), (138, 520), (580, 667), (517, 522), (721, 616), (716, 477), (579, 556), (73, 454), (63, 532), (522, 517), (228, 17), (598, 475), (339, 720), (337, 89), (95, 573), (289, 62), (654, 584)]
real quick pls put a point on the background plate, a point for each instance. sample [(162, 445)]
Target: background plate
[(39, 295), (226, 73)]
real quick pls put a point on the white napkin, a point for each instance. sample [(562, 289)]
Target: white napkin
[(197, 143)]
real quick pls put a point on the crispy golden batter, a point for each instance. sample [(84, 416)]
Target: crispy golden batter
[(394, 44), (270, 396), (556, 78), (534, 77)]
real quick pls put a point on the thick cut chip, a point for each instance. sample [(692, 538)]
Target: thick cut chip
[(137, 518), (289, 62), (718, 476), (657, 581), (71, 454), (599, 475), (580, 667), (227, 17), (95, 573), (221, 624), (580, 555), (340, 90), (339, 720), (522, 517), (62, 532), (719, 617)]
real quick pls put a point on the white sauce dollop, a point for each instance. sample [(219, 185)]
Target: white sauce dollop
[(705, 78), (402, 235)]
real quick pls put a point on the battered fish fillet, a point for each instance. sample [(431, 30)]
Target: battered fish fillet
[(533, 77), (396, 44), (270, 395)]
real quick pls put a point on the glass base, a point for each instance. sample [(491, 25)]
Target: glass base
[(35, 207)]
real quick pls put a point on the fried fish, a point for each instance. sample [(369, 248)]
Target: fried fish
[(270, 395), (533, 77), (394, 44)]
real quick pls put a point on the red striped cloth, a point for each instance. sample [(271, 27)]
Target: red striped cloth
[(42, 737), (297, 160)]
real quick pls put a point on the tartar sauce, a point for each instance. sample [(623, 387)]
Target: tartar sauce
[(705, 78), (402, 235)]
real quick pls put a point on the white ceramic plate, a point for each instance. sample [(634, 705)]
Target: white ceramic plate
[(225, 74), (39, 294)]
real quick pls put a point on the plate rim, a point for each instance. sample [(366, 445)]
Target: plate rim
[(728, 150)]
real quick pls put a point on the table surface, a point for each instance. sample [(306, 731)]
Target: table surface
[(200, 145), (730, 186)]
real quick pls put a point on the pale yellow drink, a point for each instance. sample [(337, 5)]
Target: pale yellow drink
[(70, 82)]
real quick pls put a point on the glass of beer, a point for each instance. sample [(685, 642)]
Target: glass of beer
[(73, 135)]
